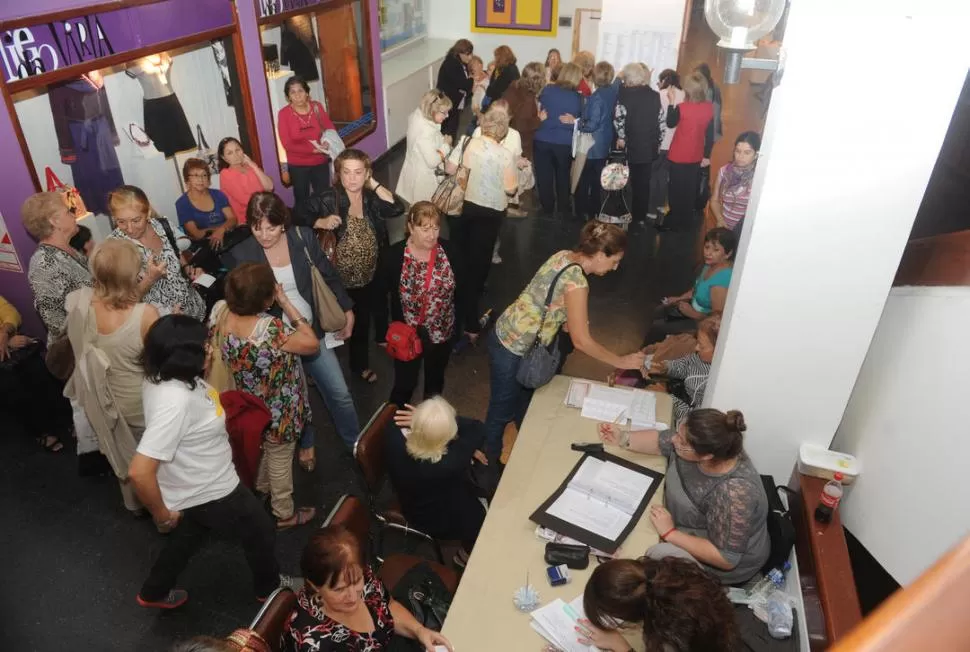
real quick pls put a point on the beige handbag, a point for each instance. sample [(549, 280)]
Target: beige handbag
[(217, 372), (329, 313)]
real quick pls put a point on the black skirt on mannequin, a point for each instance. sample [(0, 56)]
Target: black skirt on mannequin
[(167, 126)]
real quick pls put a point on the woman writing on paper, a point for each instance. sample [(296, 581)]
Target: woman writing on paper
[(715, 507)]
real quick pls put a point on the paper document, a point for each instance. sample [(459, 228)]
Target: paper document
[(205, 280), (614, 404), (331, 341), (601, 498), (556, 622)]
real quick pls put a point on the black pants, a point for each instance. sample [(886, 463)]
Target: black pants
[(240, 516), (368, 308), (640, 189), (684, 183), (435, 359), (552, 163), (588, 199), (668, 320), (450, 126), (307, 178), (659, 178), (29, 393), (474, 233)]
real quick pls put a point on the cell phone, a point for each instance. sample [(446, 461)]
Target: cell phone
[(590, 447)]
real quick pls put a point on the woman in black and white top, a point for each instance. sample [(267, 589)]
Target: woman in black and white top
[(693, 369)]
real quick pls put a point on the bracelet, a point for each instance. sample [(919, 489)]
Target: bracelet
[(299, 320), (663, 537)]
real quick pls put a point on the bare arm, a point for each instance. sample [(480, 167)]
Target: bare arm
[(148, 317), (638, 441), (718, 299), (143, 475), (577, 320), (264, 179), (193, 231), (231, 220), (699, 548), (406, 625), (303, 341), (715, 202)]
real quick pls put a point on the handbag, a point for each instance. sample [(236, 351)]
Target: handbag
[(218, 374), (403, 340), (60, 357), (423, 593), (540, 363), (329, 313), (703, 188), (205, 153), (450, 193), (70, 194), (527, 177), (328, 242)]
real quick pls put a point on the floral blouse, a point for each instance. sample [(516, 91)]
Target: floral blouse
[(261, 367), (53, 274), (173, 289), (440, 318), (309, 629)]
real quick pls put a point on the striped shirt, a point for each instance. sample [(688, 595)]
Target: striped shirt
[(734, 201), (693, 371)]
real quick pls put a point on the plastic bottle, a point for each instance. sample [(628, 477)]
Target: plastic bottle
[(773, 579), (829, 500), (779, 615)]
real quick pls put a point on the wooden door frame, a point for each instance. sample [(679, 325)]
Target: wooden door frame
[(576, 24)]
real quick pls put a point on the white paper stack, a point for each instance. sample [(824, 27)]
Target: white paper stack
[(557, 621)]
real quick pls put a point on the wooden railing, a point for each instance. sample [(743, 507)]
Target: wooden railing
[(937, 260)]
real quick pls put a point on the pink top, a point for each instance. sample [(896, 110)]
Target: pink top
[(239, 186), (296, 132)]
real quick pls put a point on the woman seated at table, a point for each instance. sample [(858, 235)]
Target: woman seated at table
[(680, 314), (716, 508), (680, 607), (343, 606), (203, 212), (691, 369), (429, 472)]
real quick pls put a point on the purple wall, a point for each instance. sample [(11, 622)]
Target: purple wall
[(16, 183)]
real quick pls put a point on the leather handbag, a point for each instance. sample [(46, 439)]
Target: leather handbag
[(218, 373), (424, 594), (540, 363), (60, 357), (574, 556), (328, 242), (450, 193), (403, 340), (329, 312)]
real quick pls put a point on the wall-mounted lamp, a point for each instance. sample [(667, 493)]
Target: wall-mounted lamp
[(740, 24)]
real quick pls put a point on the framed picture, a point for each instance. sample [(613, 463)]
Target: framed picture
[(533, 17)]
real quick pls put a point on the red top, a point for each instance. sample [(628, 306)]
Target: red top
[(688, 143), (584, 88), (297, 130), (239, 186), (440, 298)]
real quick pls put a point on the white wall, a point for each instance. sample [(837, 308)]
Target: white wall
[(838, 184), (452, 19), (907, 423)]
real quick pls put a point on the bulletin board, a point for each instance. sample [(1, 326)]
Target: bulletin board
[(521, 17)]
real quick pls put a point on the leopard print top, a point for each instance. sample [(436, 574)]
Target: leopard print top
[(356, 254)]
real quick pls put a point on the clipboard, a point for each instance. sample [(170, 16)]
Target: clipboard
[(542, 517)]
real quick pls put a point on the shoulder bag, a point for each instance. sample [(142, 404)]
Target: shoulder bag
[(218, 373), (403, 340), (329, 312), (450, 193), (540, 363)]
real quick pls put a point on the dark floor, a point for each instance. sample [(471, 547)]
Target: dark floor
[(74, 558)]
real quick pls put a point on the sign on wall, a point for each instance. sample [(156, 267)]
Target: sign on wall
[(274, 7), (402, 21), (9, 260), (532, 17)]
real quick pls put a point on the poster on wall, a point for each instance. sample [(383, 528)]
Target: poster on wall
[(9, 260), (402, 21), (622, 44), (532, 17)]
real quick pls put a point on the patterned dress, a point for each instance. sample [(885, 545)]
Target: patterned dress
[(261, 367), (53, 274), (310, 630), (357, 253), (440, 318)]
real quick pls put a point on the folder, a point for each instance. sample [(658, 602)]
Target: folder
[(600, 501)]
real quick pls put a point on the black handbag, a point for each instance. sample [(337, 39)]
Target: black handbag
[(703, 188), (540, 363), (424, 595), (781, 529)]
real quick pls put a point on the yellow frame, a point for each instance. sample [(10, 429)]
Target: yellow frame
[(512, 30)]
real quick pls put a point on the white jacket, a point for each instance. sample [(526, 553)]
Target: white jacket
[(426, 149)]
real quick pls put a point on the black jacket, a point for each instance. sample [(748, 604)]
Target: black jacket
[(334, 201), (499, 84), (642, 122), (390, 273), (453, 80), (250, 251)]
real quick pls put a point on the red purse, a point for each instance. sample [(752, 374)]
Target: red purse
[(403, 341)]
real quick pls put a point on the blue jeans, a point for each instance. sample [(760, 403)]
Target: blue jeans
[(325, 370), (508, 400)]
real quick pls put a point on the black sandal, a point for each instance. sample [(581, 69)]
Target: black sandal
[(369, 376)]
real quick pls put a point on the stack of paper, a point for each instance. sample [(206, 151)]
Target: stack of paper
[(557, 621), (615, 404)]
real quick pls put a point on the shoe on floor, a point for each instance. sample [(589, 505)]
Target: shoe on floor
[(175, 598)]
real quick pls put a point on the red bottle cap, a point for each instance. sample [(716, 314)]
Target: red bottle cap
[(838, 476)]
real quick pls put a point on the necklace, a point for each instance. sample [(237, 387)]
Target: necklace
[(303, 119)]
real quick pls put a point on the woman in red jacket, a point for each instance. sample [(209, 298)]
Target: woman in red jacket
[(690, 149), (302, 123)]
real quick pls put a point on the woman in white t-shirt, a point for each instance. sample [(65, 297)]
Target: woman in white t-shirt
[(183, 472), (660, 174)]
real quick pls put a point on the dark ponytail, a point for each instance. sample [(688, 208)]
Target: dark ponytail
[(712, 432)]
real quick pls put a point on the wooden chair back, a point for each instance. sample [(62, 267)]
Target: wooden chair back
[(369, 449)]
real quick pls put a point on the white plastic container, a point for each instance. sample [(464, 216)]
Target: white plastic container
[(823, 463)]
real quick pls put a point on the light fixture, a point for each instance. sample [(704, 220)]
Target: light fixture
[(740, 24)]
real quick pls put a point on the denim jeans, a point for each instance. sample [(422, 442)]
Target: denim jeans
[(507, 401), (325, 370)]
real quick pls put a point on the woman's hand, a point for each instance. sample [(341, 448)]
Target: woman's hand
[(194, 272), (523, 162), (479, 456), (169, 522), (155, 269), (344, 333), (543, 115), (684, 307), (609, 433), (567, 118), (705, 162), (449, 140), (632, 360), (662, 521), (620, 143), (328, 223), (672, 96), (450, 168), (402, 418), (657, 368), (281, 297), (20, 341), (611, 641), (430, 638), (247, 162)]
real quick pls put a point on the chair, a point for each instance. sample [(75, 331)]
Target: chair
[(272, 617), (369, 454), (353, 514)]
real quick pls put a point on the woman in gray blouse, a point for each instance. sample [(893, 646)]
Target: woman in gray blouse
[(715, 508)]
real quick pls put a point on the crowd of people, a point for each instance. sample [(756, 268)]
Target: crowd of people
[(140, 353)]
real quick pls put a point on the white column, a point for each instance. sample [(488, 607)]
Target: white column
[(852, 136)]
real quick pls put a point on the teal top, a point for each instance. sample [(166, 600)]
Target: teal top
[(701, 301)]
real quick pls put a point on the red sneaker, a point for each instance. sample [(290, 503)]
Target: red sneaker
[(175, 598)]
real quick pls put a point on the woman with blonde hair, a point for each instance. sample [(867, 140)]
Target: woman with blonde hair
[(554, 139), (596, 120), (427, 148), (428, 468), (502, 75), (586, 61)]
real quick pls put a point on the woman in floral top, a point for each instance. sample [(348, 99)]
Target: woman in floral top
[(344, 607), (263, 355), (430, 309)]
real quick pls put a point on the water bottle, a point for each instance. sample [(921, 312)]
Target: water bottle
[(829, 500), (773, 579), (779, 615)]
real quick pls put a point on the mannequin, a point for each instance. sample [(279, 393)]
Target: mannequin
[(165, 121)]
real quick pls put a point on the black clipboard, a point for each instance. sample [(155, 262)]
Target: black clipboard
[(543, 518)]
